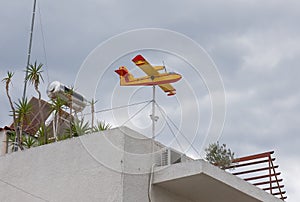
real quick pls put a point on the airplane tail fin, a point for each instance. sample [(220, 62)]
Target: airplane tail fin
[(125, 75), (122, 71)]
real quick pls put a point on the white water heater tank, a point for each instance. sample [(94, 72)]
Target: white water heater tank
[(72, 98)]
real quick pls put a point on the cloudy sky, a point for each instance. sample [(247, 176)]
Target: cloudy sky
[(254, 44)]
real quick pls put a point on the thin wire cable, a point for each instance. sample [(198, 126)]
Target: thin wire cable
[(181, 133), (22, 190), (44, 43), (182, 150), (136, 113), (119, 107)]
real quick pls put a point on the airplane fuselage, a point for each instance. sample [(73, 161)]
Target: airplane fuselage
[(152, 80), (154, 76)]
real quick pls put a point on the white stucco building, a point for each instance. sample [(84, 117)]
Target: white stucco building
[(117, 165)]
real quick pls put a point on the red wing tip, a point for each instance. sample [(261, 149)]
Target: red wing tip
[(138, 58), (171, 94)]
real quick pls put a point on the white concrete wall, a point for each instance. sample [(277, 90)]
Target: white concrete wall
[(63, 171), (109, 166), (138, 161), (160, 194), (2, 142)]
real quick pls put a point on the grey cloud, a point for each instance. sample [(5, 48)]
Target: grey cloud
[(255, 45)]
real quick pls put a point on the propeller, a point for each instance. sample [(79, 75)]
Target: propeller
[(163, 62)]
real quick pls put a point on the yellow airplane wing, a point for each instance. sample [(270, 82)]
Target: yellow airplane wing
[(151, 71), (168, 88), (144, 65)]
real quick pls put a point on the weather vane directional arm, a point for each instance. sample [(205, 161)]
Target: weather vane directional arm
[(153, 78)]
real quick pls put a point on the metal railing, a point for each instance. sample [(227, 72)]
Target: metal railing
[(260, 171)]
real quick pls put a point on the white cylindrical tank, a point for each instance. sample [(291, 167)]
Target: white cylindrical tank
[(72, 98)]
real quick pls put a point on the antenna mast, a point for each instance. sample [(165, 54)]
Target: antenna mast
[(29, 48)]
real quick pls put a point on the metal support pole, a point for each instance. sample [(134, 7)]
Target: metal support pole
[(29, 48), (153, 114), (153, 118)]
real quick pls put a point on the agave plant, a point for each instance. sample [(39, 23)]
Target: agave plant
[(23, 108), (78, 128), (42, 132), (64, 136), (29, 141), (101, 126), (11, 138)]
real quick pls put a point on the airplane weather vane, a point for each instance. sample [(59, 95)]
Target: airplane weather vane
[(153, 78)]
